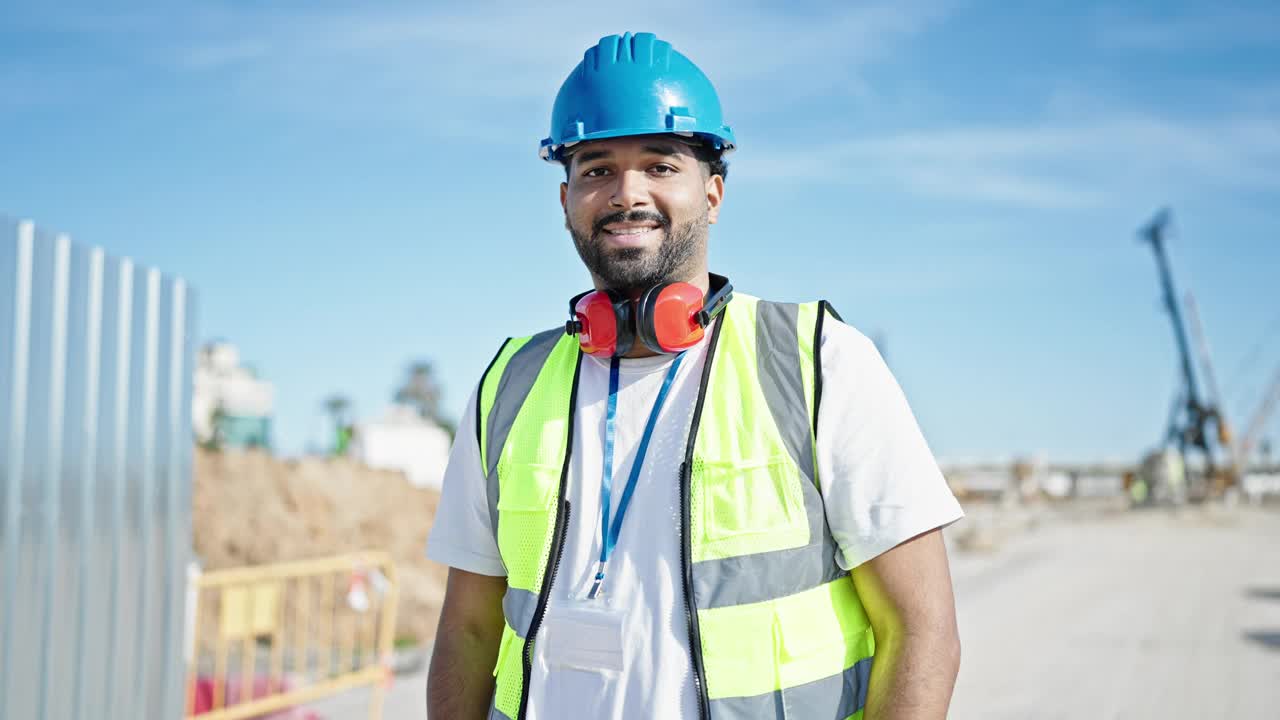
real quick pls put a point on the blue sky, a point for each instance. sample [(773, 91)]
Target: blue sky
[(352, 186)]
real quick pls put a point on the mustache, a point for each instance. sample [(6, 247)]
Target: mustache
[(630, 216)]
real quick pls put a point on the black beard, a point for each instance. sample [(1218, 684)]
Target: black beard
[(636, 269)]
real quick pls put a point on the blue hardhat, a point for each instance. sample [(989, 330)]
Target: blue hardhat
[(635, 85)]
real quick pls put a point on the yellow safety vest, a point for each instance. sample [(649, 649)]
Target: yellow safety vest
[(775, 626)]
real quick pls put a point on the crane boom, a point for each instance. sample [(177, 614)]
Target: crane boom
[(1270, 399), (1202, 345), (1197, 414), (1210, 376), (1153, 233)]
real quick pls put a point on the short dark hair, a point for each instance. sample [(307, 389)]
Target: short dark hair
[(711, 158), (714, 159)]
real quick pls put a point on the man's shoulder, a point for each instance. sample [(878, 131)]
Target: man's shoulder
[(541, 336), (840, 334), (507, 351), (542, 339), (837, 332)]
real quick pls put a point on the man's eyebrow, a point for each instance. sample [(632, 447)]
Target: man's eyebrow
[(657, 148), (589, 155), (663, 149)]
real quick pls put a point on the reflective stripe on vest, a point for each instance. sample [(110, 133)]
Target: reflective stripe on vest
[(780, 630)]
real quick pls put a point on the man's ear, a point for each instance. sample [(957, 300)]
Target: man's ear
[(715, 196), (564, 190)]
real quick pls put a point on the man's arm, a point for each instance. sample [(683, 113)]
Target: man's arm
[(907, 595), (460, 681)]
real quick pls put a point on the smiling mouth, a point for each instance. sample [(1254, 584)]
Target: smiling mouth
[(629, 230), (630, 235)]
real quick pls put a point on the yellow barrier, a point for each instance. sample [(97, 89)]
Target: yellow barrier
[(328, 626)]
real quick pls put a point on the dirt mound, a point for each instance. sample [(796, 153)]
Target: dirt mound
[(251, 509)]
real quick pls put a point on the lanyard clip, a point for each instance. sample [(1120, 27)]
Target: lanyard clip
[(595, 587)]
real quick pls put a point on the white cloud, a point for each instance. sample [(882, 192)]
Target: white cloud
[(1047, 166), (411, 56), (1220, 27), (487, 72), (483, 72), (740, 41)]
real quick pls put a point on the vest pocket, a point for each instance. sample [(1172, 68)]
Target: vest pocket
[(820, 633), (504, 646), (807, 651), (751, 496), (509, 673), (526, 516), (738, 650), (527, 486)]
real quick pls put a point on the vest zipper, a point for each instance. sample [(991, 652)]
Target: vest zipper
[(686, 550), (557, 549)]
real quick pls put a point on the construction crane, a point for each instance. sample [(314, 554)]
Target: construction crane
[(1270, 399), (1225, 438), (1190, 418)]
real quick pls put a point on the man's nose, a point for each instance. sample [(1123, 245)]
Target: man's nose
[(630, 190)]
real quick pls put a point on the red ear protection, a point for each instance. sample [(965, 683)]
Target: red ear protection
[(668, 318), (603, 323)]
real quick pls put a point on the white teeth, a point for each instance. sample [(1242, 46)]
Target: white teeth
[(630, 231)]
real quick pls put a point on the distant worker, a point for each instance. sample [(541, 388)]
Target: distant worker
[(342, 441), (686, 503)]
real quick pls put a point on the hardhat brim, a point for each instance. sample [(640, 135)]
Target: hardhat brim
[(554, 153)]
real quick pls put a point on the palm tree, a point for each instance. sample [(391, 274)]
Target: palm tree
[(420, 390), (338, 406)]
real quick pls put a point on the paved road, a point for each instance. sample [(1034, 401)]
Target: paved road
[(1137, 615), (1140, 615)]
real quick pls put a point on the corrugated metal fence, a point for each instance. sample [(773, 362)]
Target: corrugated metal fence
[(95, 481)]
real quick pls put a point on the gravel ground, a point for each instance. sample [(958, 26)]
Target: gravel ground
[(1086, 611)]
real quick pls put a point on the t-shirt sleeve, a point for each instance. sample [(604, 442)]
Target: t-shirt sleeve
[(879, 480), (462, 536)]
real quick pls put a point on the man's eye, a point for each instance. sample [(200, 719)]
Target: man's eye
[(596, 172), (662, 169)]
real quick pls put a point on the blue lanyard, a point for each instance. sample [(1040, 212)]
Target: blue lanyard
[(609, 533)]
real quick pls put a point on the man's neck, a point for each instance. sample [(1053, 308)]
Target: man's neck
[(639, 350), (699, 279)]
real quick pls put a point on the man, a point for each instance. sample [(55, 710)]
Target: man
[(685, 503)]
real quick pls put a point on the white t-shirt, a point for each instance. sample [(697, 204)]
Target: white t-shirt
[(879, 481)]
